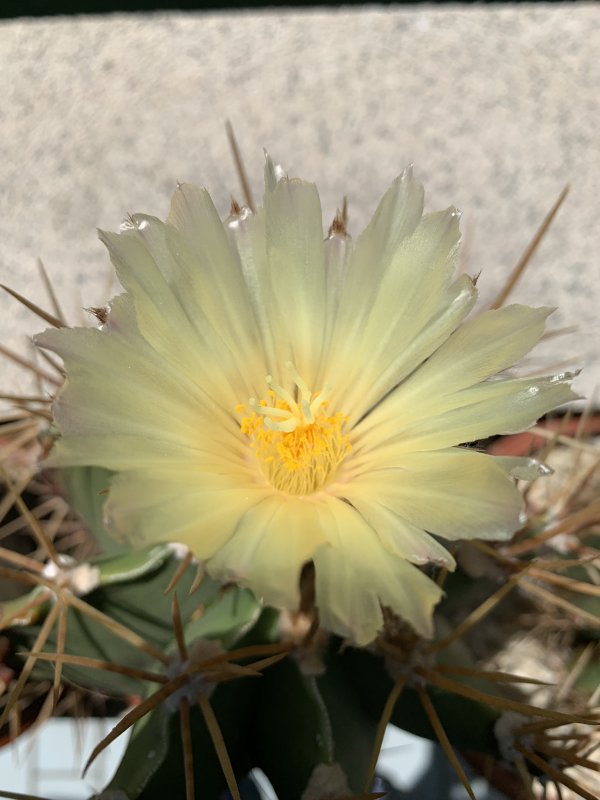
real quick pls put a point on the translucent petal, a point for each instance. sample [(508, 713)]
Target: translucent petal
[(164, 322), (477, 350), (143, 508), (121, 451), (406, 289), (523, 468), (271, 543), (379, 378), (133, 391), (206, 270), (397, 534), (493, 407), (455, 493), (409, 291), (395, 219), (338, 255), (295, 270), (355, 575), (484, 346)]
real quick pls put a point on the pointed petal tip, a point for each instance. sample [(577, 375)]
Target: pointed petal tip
[(406, 177), (105, 236), (274, 172), (38, 338), (451, 213), (523, 468)]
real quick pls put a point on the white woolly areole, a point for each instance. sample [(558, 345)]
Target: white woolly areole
[(80, 579), (504, 730), (327, 782), (179, 550)]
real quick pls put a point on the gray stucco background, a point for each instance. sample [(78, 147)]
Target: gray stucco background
[(496, 106)]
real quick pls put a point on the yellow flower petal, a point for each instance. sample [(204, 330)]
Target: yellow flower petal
[(398, 535), (457, 494), (98, 363), (146, 507), (355, 576), (271, 543), (269, 398), (198, 243), (480, 411), (482, 347), (379, 321), (370, 386)]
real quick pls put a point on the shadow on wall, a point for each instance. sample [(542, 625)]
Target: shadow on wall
[(45, 8)]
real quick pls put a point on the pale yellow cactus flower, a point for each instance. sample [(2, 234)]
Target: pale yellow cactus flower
[(269, 397)]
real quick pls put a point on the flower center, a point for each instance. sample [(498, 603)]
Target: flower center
[(297, 441)]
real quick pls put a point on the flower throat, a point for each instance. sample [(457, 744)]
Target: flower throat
[(298, 443)]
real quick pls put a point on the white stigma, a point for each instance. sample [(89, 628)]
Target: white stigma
[(299, 413)]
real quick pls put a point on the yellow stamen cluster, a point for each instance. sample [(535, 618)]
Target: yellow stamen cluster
[(298, 443)]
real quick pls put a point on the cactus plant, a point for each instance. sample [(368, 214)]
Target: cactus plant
[(239, 649)]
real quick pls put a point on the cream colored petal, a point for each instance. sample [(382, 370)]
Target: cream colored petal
[(105, 368), (482, 347), (270, 545), (397, 534), (355, 575), (248, 236), (493, 407), (207, 273), (395, 219), (410, 289), (479, 349), (133, 391), (122, 451), (454, 493), (338, 256), (522, 468), (160, 317), (377, 380), (296, 269), (147, 507), (188, 343), (371, 272), (373, 328), (283, 261)]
